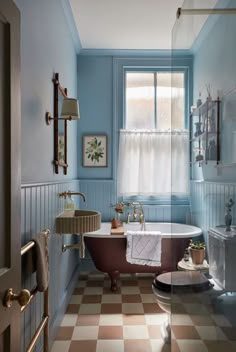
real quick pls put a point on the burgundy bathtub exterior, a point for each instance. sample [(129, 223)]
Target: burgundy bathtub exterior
[(109, 256)]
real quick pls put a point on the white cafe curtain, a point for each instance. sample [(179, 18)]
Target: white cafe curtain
[(153, 163)]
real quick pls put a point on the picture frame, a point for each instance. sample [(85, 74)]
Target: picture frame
[(95, 153)]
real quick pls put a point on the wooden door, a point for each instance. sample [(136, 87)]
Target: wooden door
[(10, 173)]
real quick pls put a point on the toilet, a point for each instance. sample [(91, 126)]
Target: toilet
[(168, 285)]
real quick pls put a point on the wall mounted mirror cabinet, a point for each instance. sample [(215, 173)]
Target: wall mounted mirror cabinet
[(65, 109)]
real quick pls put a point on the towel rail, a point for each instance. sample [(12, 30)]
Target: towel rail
[(44, 324)]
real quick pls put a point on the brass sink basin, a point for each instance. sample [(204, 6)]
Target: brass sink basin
[(78, 221)]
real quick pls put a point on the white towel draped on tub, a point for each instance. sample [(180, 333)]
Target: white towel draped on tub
[(144, 247)]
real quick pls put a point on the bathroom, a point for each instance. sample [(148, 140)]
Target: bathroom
[(50, 44)]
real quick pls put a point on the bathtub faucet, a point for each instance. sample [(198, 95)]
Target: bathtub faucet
[(138, 212), (68, 194)]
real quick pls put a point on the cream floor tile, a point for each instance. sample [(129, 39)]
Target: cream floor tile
[(69, 320), (130, 290), (220, 320), (180, 319), (85, 333), (156, 319), (111, 298), (211, 333), (110, 319), (148, 298), (159, 346), (110, 346), (75, 299), (93, 291), (60, 346), (135, 332), (90, 308), (191, 346), (132, 308)]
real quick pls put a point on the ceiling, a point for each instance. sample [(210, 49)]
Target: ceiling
[(125, 24)]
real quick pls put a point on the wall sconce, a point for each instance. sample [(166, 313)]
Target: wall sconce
[(69, 111)]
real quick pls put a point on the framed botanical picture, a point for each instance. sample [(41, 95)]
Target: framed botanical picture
[(95, 150)]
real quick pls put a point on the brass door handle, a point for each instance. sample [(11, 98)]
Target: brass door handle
[(22, 298)]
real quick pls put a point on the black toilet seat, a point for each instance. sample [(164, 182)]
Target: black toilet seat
[(184, 281)]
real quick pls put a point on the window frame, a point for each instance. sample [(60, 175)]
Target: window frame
[(157, 70), (158, 200)]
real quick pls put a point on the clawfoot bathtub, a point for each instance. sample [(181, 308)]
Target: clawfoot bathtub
[(108, 252)]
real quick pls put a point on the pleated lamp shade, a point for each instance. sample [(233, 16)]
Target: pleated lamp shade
[(70, 109)]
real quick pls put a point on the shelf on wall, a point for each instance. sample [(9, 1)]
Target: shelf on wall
[(221, 166)]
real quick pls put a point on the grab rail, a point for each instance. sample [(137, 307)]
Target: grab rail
[(44, 323)]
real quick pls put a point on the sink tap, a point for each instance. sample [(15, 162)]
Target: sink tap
[(69, 194)]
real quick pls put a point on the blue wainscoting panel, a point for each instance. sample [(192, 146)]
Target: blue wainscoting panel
[(208, 203), (40, 205), (100, 194)]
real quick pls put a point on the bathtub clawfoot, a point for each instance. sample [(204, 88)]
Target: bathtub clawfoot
[(114, 275)]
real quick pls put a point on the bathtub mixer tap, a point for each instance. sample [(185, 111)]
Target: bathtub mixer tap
[(138, 212), (68, 194)]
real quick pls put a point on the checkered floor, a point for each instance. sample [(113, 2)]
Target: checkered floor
[(129, 320)]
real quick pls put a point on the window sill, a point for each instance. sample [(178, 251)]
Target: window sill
[(161, 200)]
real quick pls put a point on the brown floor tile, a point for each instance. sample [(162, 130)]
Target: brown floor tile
[(83, 346), (202, 320), (95, 283), (72, 309), (65, 333), (154, 332), (178, 308), (219, 346), (78, 291), (110, 333), (145, 289), (134, 319), (151, 308), (88, 320), (185, 332), (137, 346), (126, 282), (145, 282), (92, 299), (131, 299), (109, 308), (230, 332)]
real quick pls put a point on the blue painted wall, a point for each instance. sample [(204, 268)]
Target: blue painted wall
[(46, 47), (100, 92), (214, 64)]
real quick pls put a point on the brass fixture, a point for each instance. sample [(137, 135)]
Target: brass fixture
[(138, 212), (70, 111), (68, 194), (22, 298)]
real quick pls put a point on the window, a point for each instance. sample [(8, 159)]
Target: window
[(153, 149), (151, 98)]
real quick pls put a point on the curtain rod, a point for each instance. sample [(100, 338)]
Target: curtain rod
[(181, 11)]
